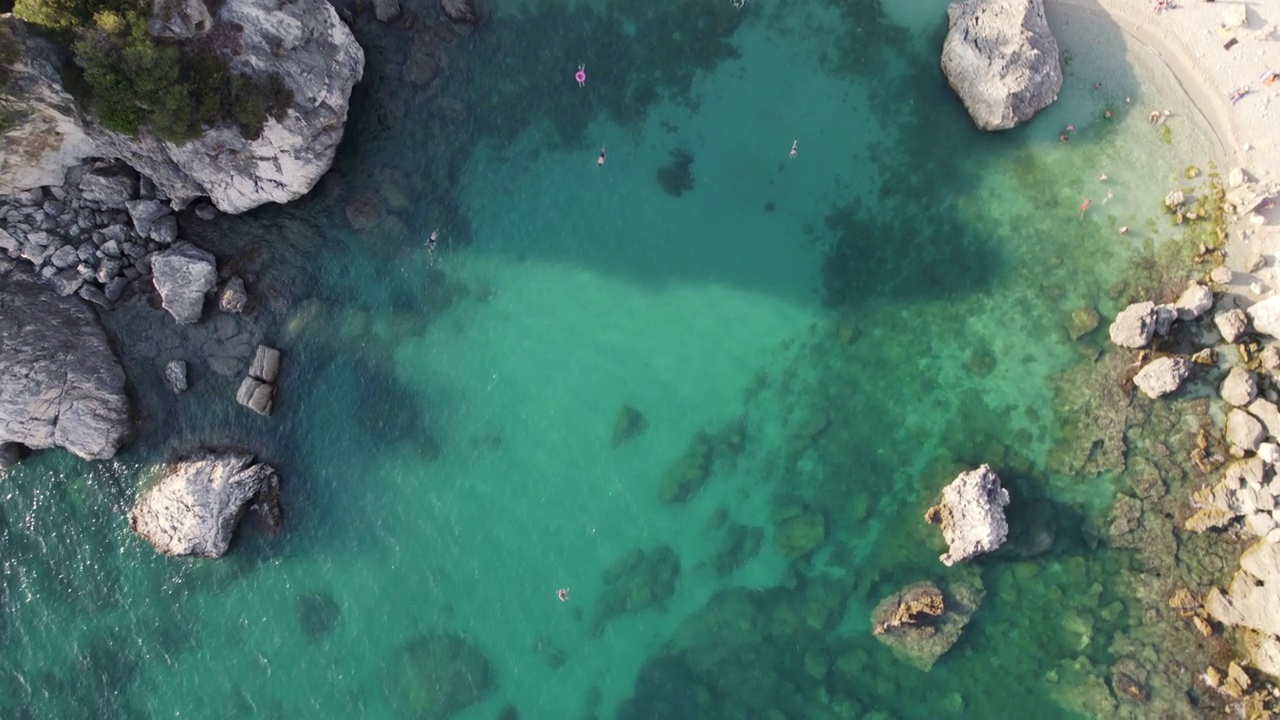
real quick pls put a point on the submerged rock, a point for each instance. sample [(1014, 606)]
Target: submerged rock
[(641, 580), (60, 382), (920, 622), (1083, 321), (629, 423), (432, 677), (972, 515), (194, 507), (318, 615), (1001, 59)]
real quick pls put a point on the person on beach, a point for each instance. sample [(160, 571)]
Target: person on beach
[(1084, 206), (795, 148), (581, 76), (563, 594), (600, 160)]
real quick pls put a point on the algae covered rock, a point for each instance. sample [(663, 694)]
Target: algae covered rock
[(641, 580), (686, 476), (739, 544), (797, 528), (1083, 321), (630, 423), (922, 621), (432, 677)]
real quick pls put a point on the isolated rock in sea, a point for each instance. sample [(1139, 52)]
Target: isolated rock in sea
[(47, 137), (183, 275), (1193, 302), (314, 53), (1135, 325), (233, 297), (1083, 321), (1253, 599), (60, 382), (1244, 432), (972, 515), (1240, 387), (194, 507), (175, 375), (1001, 59), (1265, 316), (1232, 324), (1162, 376)]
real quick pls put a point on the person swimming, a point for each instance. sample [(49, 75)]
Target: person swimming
[(600, 160), (1084, 206), (563, 594), (431, 241), (581, 76), (795, 148)]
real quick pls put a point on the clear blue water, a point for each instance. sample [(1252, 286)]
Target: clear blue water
[(846, 329)]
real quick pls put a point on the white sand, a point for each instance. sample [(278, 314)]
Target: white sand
[(1189, 40)]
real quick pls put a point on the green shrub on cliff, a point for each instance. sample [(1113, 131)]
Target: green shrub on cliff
[(130, 81), (10, 51)]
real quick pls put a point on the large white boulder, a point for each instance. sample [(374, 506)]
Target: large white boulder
[(972, 515), (1134, 326), (1162, 376), (195, 505), (1001, 59), (1265, 316), (183, 275)]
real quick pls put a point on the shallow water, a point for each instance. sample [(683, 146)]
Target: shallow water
[(848, 328)]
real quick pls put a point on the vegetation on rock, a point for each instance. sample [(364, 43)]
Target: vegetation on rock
[(130, 81)]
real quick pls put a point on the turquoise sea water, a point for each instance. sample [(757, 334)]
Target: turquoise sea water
[(823, 342)]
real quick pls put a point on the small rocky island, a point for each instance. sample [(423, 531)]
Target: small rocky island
[(971, 515)]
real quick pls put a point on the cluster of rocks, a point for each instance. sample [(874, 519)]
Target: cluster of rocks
[(971, 515), (195, 505), (1251, 601), (106, 229), (921, 621), (1140, 322), (257, 390)]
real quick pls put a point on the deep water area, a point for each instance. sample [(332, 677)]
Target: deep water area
[(706, 388)]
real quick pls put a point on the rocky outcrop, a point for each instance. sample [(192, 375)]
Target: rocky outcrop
[(1245, 491), (972, 515), (460, 11), (1135, 325), (319, 60), (1253, 599), (179, 19), (183, 275), (48, 137), (1001, 59), (60, 383), (1193, 302), (1162, 376), (196, 503)]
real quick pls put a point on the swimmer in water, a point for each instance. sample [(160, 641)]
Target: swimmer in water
[(563, 594), (1102, 177), (1084, 206), (795, 148), (581, 76), (600, 160), (431, 241), (1124, 229)]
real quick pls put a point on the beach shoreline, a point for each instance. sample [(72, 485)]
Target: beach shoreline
[(1188, 40)]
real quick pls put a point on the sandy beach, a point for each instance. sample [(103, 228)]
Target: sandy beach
[(1193, 39)]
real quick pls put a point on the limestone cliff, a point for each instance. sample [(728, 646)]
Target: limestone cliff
[(48, 137), (316, 55)]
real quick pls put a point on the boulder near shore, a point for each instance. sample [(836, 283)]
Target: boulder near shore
[(60, 382), (1001, 59), (195, 505)]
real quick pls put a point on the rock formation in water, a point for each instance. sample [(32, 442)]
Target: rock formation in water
[(60, 382), (433, 677), (1253, 601), (302, 42), (183, 275), (1001, 59), (48, 137), (972, 515), (195, 505), (1162, 376)]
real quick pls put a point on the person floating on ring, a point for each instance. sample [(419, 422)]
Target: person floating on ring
[(581, 76)]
